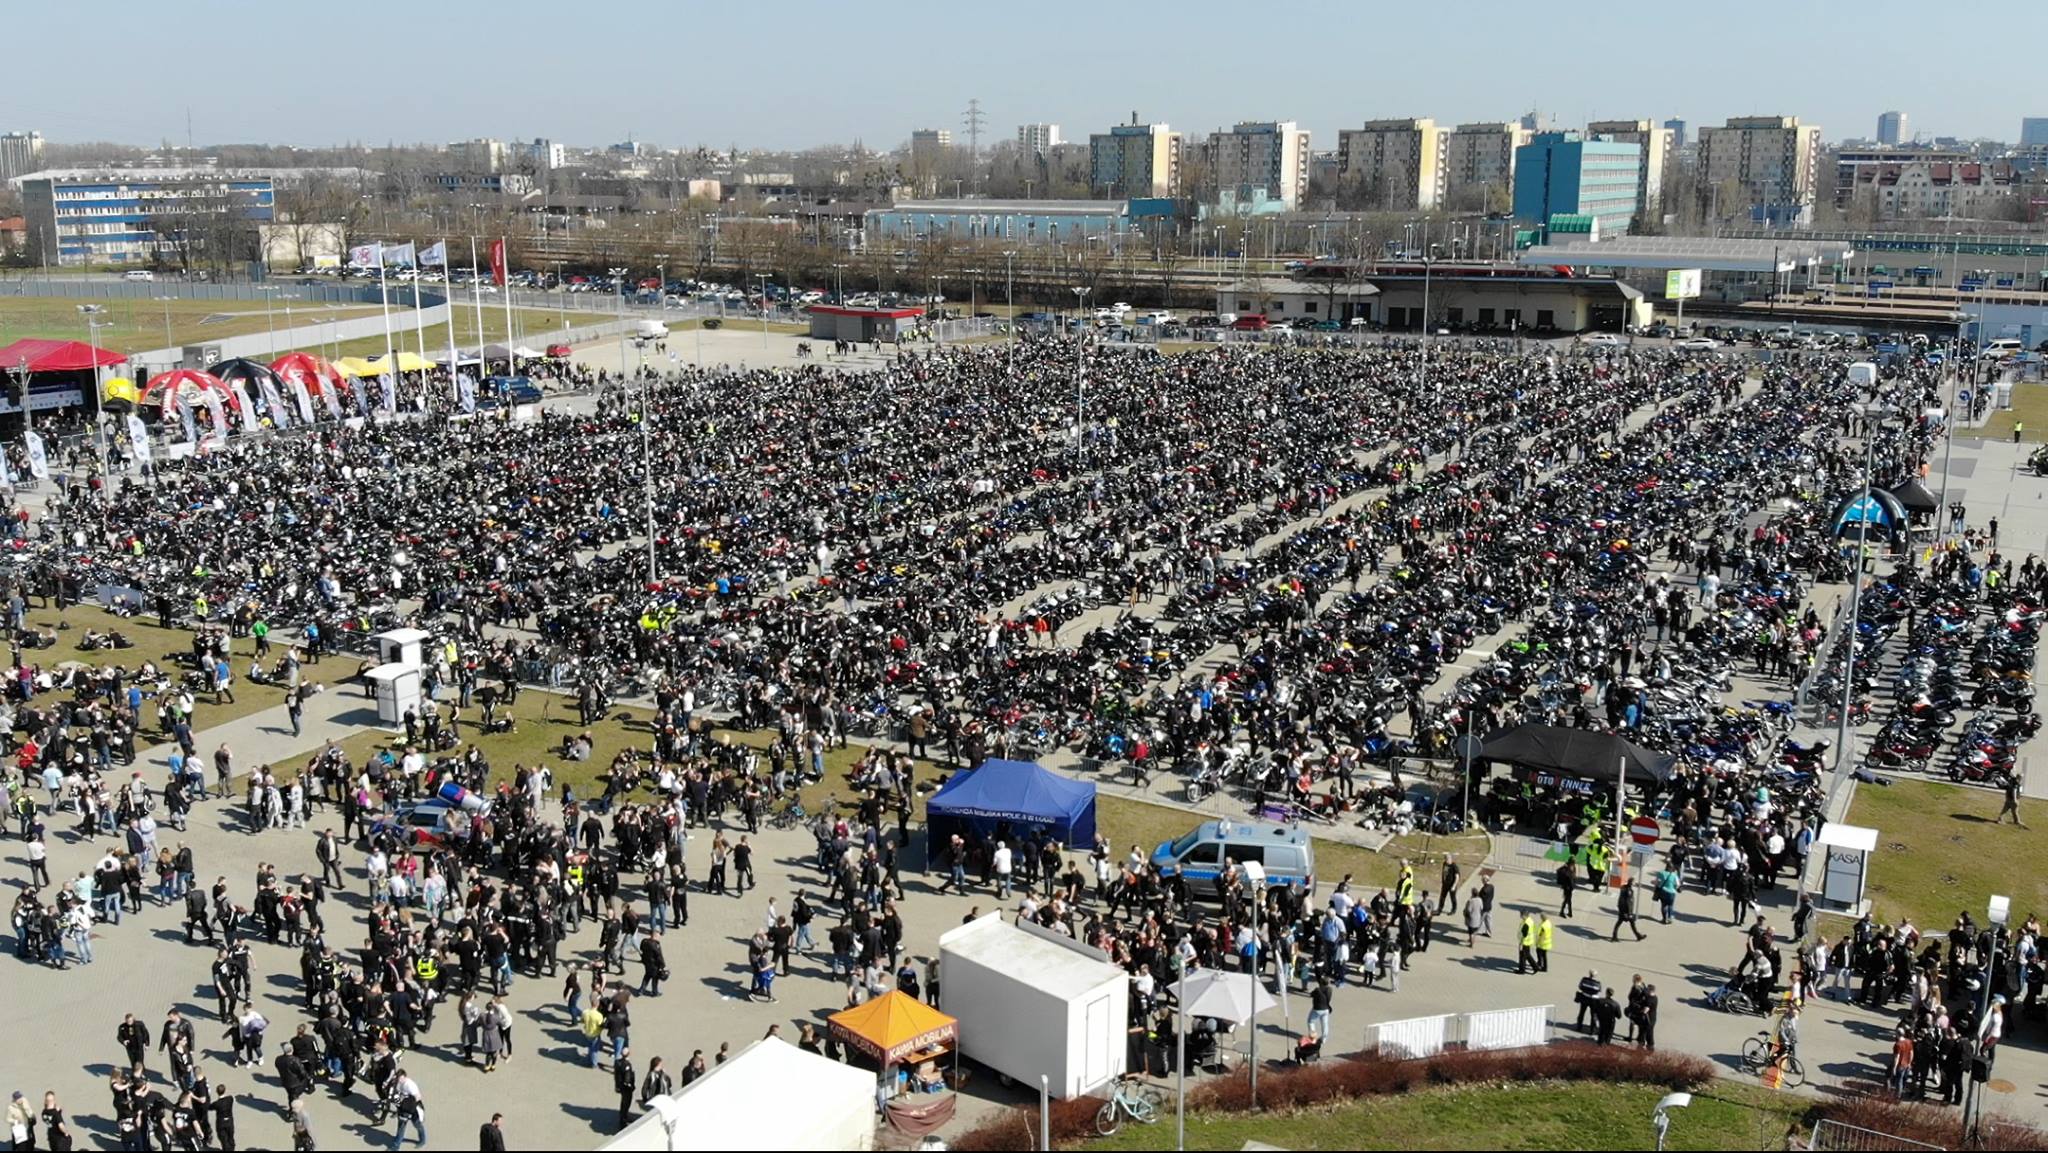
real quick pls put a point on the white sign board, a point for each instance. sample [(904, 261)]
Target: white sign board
[(1682, 284)]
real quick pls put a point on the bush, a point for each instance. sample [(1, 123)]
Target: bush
[(1929, 1124), (1017, 1128)]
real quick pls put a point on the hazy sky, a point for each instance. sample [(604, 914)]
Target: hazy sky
[(793, 73)]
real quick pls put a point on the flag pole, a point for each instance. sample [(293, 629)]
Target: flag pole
[(419, 323), (511, 363), (454, 357), (476, 292), (384, 295)]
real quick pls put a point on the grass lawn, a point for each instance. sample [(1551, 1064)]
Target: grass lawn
[(1518, 1116), (2030, 406), (135, 325), (532, 326), (1938, 854), (152, 643)]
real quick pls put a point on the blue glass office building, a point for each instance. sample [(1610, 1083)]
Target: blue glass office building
[(115, 217), (1561, 174)]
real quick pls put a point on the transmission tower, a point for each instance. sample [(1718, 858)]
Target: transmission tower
[(973, 119)]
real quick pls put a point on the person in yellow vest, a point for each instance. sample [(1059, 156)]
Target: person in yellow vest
[(1546, 936), (1406, 890), (199, 607), (1525, 960)]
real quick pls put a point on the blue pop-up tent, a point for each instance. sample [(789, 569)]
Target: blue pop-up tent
[(1024, 794)]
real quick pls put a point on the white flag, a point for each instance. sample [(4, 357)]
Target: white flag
[(400, 255), (38, 459), (390, 383), (298, 386), (274, 405), (466, 386), (361, 387), (332, 402), (218, 411), (185, 418), (138, 437), (248, 410), (435, 256), (367, 256), (6, 470)]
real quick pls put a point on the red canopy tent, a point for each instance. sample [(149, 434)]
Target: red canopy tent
[(315, 373), (57, 356), (164, 388)]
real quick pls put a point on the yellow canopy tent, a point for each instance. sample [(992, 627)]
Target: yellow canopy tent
[(119, 394), (413, 362), (894, 1027), (355, 366)]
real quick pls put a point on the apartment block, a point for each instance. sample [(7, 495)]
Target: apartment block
[(1400, 162)]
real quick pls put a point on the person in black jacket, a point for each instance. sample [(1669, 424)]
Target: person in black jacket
[(658, 1083), (624, 1081), (134, 1038), (654, 964), (224, 1118), (490, 1137)]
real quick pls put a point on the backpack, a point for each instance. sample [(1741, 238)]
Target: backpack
[(593, 1023)]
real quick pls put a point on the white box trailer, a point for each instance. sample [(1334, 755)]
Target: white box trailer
[(1034, 1003), (773, 1095)]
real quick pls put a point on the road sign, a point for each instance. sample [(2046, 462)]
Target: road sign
[(1644, 830)]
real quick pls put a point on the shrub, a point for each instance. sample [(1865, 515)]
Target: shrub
[(1929, 1124)]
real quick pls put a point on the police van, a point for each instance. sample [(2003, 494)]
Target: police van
[(1204, 854)]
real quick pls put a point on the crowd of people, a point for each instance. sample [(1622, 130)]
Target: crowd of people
[(1249, 565)]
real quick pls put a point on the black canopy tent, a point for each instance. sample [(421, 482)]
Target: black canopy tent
[(1915, 497), (1583, 753)]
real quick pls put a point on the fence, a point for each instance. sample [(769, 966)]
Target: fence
[(1488, 1029), (312, 291), (1834, 1135)]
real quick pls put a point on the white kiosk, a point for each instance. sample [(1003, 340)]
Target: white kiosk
[(1846, 866), (397, 689), (401, 646)]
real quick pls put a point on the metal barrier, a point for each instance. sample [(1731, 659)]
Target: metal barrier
[(1414, 1037), (1834, 1135)]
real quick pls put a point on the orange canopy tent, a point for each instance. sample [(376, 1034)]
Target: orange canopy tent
[(894, 1026)]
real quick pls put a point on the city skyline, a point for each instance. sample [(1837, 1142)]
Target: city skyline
[(755, 86)]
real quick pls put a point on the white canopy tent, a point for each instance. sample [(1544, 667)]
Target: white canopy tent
[(819, 1104)]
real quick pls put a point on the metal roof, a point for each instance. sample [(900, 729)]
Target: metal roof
[(1709, 253), (992, 207)]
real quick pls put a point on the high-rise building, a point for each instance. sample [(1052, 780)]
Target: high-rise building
[(1037, 139), (479, 155), (930, 143), (1564, 174), (1479, 162), (547, 154), (1772, 162), (1677, 128), (1256, 158), (20, 153), (1400, 162), (1135, 160), (1534, 122), (1654, 145), (2033, 131), (1891, 129)]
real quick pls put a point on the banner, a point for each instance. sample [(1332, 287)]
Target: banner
[(361, 387), (390, 382), (332, 401), (250, 422), (38, 457), (218, 410), (465, 385), (400, 255), (185, 418), (6, 470), (305, 402), (274, 405), (138, 437), (435, 256), (498, 263), (366, 256)]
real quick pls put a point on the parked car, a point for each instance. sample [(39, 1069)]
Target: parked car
[(1602, 340), (138, 274), (425, 825), (1697, 344)]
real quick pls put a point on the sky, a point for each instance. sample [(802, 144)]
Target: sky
[(797, 73)]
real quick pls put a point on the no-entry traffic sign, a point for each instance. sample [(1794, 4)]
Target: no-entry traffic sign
[(1644, 830)]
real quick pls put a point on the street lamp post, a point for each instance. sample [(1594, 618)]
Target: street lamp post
[(1010, 302), (618, 274), (763, 278), (166, 302), (1080, 342)]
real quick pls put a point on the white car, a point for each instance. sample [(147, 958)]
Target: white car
[(1697, 344), (1603, 340), (1119, 308), (138, 274)]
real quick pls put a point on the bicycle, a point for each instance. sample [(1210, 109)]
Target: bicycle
[(1132, 1098), (1761, 1052)]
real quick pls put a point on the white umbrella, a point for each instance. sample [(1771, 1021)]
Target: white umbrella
[(1225, 996)]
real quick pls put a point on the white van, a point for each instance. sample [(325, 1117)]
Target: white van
[(2002, 348), (138, 274), (649, 330), (1203, 854)]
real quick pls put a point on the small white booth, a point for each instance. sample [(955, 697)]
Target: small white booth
[(401, 646), (1846, 865), (397, 688), (773, 1095), (1035, 1003)]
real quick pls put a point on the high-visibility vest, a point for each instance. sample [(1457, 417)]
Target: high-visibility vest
[(1528, 932), (426, 968), (1544, 934), (1407, 890)]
